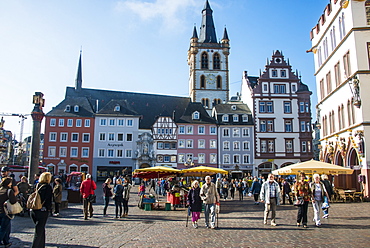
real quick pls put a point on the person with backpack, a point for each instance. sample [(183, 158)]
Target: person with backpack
[(6, 193), (87, 188), (40, 216)]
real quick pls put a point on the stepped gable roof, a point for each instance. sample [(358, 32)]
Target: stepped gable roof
[(123, 110), (147, 105), (84, 108), (227, 108), (192, 107)]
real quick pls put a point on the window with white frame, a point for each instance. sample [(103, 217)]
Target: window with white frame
[(74, 152), (301, 107), (236, 132), (61, 123), (63, 137), (213, 158), (226, 146), (103, 122), (289, 146), (304, 146), (112, 122), (308, 126), (189, 130), (128, 136), (74, 137), (62, 151), (87, 123), (51, 151), (201, 143), (110, 136), (119, 153), (102, 136), (101, 153), (53, 122), (225, 118), (181, 158), (235, 118), (303, 126), (52, 136), (78, 123), (110, 153), (246, 159), (213, 144), (246, 145), (245, 118), (181, 129), (166, 158), (212, 130), (201, 130), (130, 122), (201, 158), (189, 143), (196, 115), (287, 107), (236, 159), (86, 137), (120, 137), (85, 152), (76, 108), (236, 145), (226, 132), (181, 143), (226, 159), (120, 122), (283, 73), (245, 132), (189, 157), (70, 123), (160, 145)]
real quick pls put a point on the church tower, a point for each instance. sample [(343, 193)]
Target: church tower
[(208, 62)]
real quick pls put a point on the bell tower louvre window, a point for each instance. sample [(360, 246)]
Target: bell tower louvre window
[(216, 61), (219, 82), (204, 64), (202, 82)]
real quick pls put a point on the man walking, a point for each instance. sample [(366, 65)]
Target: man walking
[(270, 195), (210, 197), (87, 188)]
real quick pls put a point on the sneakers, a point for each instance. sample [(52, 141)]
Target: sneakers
[(325, 216), (273, 224), (212, 226), (265, 222), (56, 214), (195, 225), (298, 224)]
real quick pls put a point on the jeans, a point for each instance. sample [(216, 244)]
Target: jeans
[(4, 228), (210, 209), (125, 206), (256, 197), (118, 202), (270, 207), (302, 213), (57, 207), (39, 218), (106, 204), (225, 192), (316, 210)]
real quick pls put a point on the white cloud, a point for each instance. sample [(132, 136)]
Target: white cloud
[(171, 13)]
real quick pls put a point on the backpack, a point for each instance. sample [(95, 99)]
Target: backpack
[(34, 200)]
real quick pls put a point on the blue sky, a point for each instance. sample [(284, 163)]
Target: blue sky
[(139, 45)]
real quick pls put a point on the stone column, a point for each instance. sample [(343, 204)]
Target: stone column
[(37, 116)]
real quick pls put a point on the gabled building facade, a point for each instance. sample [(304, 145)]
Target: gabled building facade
[(282, 111), (340, 46)]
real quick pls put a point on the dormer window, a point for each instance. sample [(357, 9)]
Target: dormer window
[(117, 108), (235, 118), (196, 115), (233, 107), (225, 118), (76, 108), (245, 118), (68, 108)]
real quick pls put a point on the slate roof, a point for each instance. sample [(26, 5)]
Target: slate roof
[(85, 108), (226, 108), (124, 109), (187, 117), (149, 106)]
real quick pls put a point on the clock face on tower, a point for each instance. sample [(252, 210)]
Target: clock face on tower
[(210, 79)]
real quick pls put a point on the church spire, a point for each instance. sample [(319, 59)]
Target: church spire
[(79, 74), (207, 30), (195, 34)]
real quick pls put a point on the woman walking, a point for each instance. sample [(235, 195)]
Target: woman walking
[(107, 194), (303, 191), (195, 203), (225, 188), (118, 197), (318, 193), (255, 190), (57, 195), (232, 189), (39, 217), (125, 196), (6, 193)]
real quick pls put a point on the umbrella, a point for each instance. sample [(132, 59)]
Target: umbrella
[(155, 172), (312, 167), (202, 171)]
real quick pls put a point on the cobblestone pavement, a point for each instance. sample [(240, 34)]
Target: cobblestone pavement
[(240, 225)]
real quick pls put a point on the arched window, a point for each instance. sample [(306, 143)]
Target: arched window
[(219, 82), (204, 64), (196, 115), (205, 102), (216, 61), (202, 82)]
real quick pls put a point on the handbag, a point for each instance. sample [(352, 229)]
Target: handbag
[(299, 201), (91, 198), (11, 209)]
